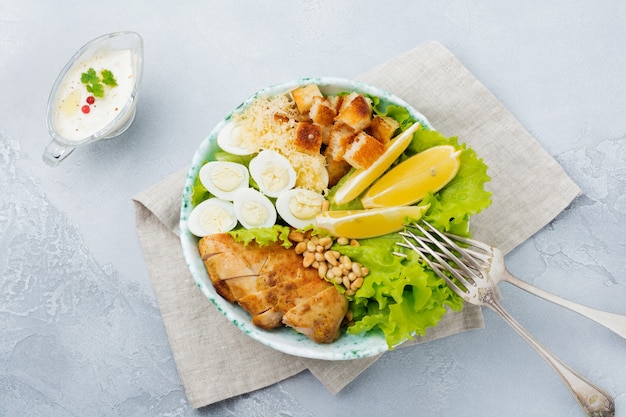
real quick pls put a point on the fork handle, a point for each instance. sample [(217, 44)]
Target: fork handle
[(611, 321), (593, 400)]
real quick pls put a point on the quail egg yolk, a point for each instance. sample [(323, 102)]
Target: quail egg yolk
[(238, 136), (275, 177), (304, 206), (226, 178), (254, 213), (215, 219)]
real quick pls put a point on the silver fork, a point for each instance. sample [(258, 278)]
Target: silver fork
[(491, 259), (473, 283)]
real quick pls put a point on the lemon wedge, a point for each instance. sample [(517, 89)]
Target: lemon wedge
[(363, 224), (363, 178), (410, 181)]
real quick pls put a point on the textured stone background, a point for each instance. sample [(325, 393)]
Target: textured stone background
[(80, 331)]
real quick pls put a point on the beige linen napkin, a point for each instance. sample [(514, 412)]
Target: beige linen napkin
[(216, 361)]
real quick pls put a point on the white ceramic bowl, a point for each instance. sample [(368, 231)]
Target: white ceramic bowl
[(284, 339)]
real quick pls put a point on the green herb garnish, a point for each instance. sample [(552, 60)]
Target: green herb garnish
[(108, 78), (94, 83)]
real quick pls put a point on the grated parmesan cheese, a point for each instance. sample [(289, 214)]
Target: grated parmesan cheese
[(270, 123)]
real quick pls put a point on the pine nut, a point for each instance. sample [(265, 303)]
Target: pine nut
[(300, 248), (337, 271), (321, 270), (347, 263), (308, 259), (295, 236), (330, 258), (346, 283), (325, 205), (340, 269), (325, 240), (330, 264)]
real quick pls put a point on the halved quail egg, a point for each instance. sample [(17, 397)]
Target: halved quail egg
[(212, 216), (299, 207), (233, 139), (272, 172), (253, 209), (222, 179)]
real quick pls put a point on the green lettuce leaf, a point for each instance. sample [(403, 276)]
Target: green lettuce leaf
[(198, 192), (399, 113), (401, 296), (263, 235)]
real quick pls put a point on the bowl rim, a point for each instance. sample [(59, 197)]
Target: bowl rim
[(285, 340)]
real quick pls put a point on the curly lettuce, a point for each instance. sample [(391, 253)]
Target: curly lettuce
[(401, 296), (263, 236)]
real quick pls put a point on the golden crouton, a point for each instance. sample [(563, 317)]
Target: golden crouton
[(326, 134), (335, 101), (383, 128), (303, 97), (363, 151), (308, 137), (336, 169), (280, 118), (339, 138), (322, 111), (355, 111)]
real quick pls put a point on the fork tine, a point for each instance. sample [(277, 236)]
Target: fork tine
[(461, 276), (446, 252), (478, 256), (473, 242), (477, 250), (440, 266), (442, 237), (434, 266)]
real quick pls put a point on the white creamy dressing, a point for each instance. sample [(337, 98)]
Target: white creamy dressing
[(69, 121)]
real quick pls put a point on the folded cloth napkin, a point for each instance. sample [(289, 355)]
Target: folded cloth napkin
[(216, 361)]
